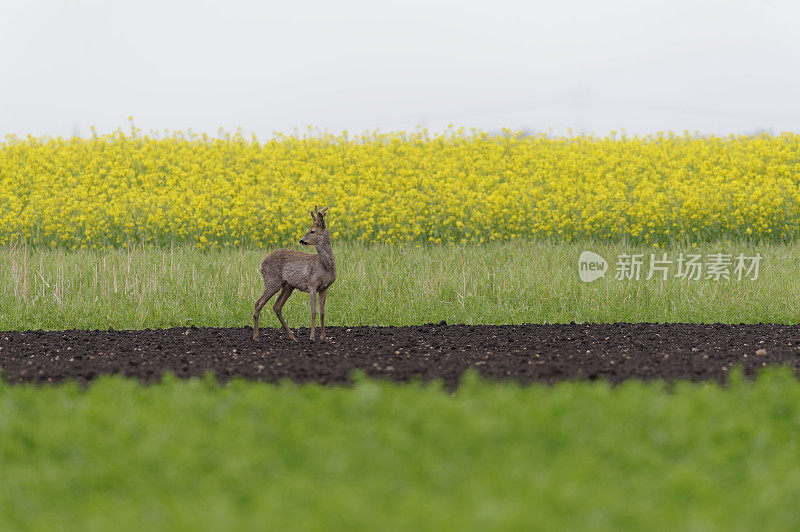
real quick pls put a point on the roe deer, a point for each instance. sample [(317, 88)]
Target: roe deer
[(286, 270)]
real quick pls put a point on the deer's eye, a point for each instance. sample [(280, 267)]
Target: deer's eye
[(312, 232)]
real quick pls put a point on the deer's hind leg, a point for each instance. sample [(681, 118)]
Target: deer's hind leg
[(270, 288), (286, 291)]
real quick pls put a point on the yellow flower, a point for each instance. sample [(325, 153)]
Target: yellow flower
[(456, 187)]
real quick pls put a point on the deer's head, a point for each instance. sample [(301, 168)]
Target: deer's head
[(317, 227)]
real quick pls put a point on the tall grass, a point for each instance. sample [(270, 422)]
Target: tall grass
[(147, 287)]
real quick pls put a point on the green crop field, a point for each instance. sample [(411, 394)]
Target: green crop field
[(193, 455)]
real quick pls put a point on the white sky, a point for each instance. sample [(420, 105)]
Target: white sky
[(711, 66)]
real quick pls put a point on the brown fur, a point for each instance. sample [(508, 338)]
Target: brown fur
[(287, 270)]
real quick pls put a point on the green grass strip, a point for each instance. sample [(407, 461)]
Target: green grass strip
[(507, 283)]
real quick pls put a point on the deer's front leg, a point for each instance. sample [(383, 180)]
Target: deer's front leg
[(313, 301), (322, 296)]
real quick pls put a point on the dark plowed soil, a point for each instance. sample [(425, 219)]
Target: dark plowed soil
[(526, 353)]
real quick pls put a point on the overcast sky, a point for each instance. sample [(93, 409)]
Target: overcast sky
[(711, 66)]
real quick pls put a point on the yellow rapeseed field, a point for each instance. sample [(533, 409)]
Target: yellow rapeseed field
[(461, 186)]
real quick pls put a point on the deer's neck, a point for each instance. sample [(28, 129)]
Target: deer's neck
[(325, 254)]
